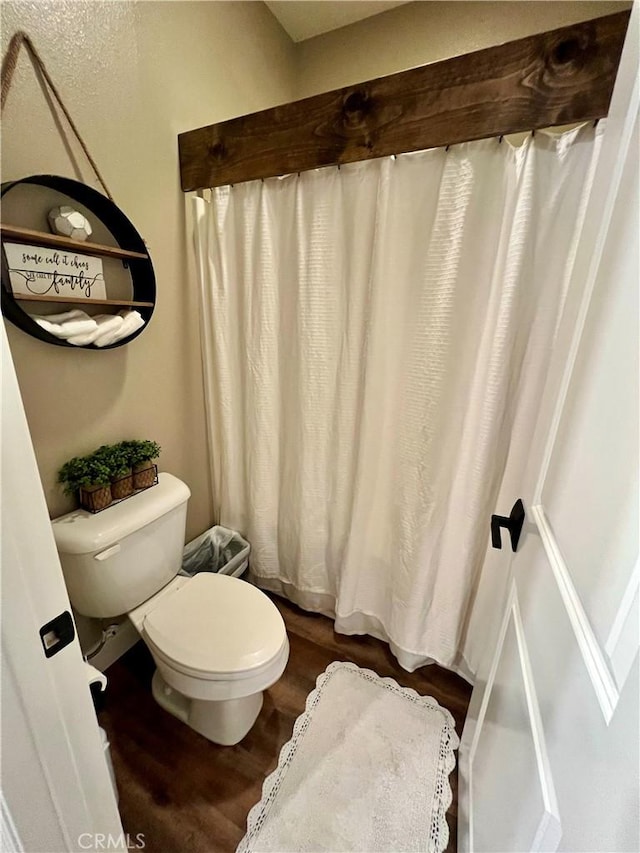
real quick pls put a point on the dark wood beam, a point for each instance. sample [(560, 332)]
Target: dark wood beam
[(553, 78)]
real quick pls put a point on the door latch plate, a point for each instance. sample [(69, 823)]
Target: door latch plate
[(57, 634)]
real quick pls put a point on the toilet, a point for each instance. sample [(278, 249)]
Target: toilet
[(217, 641)]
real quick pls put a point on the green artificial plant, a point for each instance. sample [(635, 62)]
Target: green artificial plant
[(84, 472), (140, 451)]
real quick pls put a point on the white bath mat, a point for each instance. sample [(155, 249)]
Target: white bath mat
[(367, 769)]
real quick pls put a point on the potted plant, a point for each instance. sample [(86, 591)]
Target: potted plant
[(91, 478), (141, 455), (116, 458)]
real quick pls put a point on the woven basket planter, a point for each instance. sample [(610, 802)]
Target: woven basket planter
[(122, 487), (96, 498), (144, 475)]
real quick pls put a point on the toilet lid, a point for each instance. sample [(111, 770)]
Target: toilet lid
[(216, 624)]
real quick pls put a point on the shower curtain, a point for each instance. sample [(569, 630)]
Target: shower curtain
[(375, 339)]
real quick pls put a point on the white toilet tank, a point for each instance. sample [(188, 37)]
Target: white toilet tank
[(116, 559)]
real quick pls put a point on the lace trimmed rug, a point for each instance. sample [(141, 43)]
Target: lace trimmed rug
[(367, 769)]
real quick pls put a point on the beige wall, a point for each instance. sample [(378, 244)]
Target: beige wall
[(427, 31), (133, 76)]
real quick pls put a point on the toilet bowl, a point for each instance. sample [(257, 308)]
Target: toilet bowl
[(217, 641)]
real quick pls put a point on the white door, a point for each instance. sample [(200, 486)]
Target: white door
[(56, 789), (550, 751)]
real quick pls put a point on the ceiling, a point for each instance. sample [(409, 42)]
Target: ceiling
[(303, 19)]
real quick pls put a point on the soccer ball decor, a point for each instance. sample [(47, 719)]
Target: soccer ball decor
[(68, 222)]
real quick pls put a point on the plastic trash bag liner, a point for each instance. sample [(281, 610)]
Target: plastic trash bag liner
[(216, 550)]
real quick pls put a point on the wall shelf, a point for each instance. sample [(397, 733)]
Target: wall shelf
[(26, 297), (41, 238), (33, 196)]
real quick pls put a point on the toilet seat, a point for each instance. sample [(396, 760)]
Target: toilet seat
[(217, 628)]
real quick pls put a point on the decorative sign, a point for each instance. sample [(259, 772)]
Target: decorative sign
[(40, 271)]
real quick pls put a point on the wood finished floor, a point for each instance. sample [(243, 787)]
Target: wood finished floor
[(188, 795)]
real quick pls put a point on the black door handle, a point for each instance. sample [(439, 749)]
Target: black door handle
[(513, 523)]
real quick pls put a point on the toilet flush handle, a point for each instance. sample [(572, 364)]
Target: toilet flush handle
[(109, 552)]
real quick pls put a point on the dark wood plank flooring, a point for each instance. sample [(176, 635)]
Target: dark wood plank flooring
[(188, 795)]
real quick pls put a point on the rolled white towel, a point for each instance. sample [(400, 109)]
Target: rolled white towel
[(131, 322), (75, 314), (105, 324), (79, 324), (110, 335), (106, 337)]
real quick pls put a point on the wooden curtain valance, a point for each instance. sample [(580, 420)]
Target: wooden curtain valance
[(553, 78)]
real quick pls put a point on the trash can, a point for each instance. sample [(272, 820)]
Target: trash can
[(217, 550)]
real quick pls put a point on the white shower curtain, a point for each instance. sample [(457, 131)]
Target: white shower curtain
[(374, 342)]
